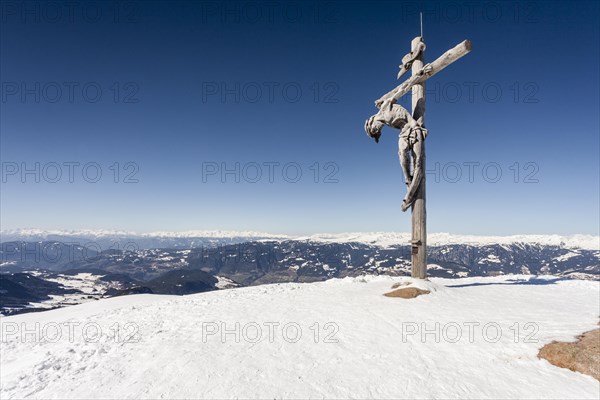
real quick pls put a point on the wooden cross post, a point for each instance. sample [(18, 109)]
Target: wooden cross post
[(393, 115), (418, 254)]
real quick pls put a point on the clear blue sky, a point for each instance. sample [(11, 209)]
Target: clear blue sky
[(169, 90)]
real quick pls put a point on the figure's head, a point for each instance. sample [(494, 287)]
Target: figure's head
[(373, 128)]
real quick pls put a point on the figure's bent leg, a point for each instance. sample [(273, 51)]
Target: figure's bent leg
[(405, 161), (417, 151)]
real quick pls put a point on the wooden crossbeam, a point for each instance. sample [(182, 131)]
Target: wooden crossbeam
[(426, 72)]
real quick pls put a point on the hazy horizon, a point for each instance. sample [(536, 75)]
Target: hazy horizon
[(33, 230)]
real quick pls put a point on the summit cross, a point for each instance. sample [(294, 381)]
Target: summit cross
[(412, 137)]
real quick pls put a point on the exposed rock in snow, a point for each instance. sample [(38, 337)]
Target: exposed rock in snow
[(581, 356)]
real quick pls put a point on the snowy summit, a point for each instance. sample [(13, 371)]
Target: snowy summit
[(467, 338)]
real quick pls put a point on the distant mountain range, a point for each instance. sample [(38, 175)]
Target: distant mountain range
[(109, 239), (119, 240), (78, 268)]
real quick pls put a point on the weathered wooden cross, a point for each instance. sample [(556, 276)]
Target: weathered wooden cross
[(412, 137)]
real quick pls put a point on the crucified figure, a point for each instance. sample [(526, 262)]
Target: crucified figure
[(410, 143)]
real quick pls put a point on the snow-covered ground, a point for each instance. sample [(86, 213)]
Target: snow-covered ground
[(225, 283), (469, 338)]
